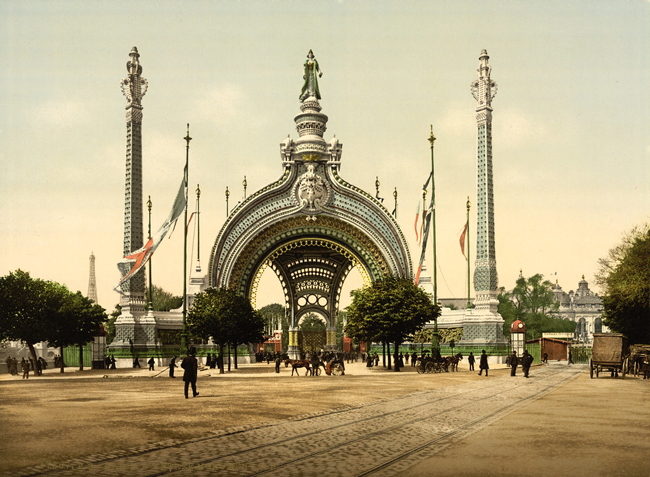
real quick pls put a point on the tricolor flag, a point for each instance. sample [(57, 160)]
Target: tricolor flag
[(425, 236), (417, 217), (462, 239), (139, 258)]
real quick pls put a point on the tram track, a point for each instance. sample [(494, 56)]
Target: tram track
[(317, 426)]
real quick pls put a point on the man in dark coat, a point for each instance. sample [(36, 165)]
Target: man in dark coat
[(471, 360), (172, 365), (191, 367), (151, 362), (526, 361), (514, 361), (483, 364)]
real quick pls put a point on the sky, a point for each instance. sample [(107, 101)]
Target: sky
[(571, 123)]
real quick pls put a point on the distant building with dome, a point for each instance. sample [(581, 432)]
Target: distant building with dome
[(584, 307)]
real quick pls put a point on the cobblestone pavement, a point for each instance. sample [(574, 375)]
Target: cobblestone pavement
[(356, 440)]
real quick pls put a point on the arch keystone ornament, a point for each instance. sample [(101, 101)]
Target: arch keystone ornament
[(310, 227)]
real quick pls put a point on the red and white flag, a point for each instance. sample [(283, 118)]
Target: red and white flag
[(140, 257), (462, 240), (417, 216)]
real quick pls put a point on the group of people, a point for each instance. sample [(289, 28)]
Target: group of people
[(109, 362), (25, 366), (525, 360)]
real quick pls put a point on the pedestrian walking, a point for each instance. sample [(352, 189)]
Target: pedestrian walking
[(471, 360), (113, 362), (277, 363), (545, 358), (172, 365), (570, 357), (136, 362), (191, 367), (526, 361), (414, 357), (483, 364), (151, 362), (376, 359), (8, 364), (25, 366), (514, 361)]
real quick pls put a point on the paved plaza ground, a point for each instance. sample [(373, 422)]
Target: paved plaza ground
[(253, 421)]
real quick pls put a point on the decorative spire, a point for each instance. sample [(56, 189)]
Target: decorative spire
[(484, 89), (134, 87)]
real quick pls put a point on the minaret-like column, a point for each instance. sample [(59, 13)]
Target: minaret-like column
[(485, 272), (482, 325), (127, 326)]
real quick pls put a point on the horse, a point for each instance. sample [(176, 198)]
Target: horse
[(453, 361), (298, 363)]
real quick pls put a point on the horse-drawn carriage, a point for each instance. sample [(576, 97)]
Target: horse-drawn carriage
[(609, 353), (331, 363), (639, 360), (427, 364)]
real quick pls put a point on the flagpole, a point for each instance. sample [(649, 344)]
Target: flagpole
[(187, 163), (150, 304), (434, 342), (198, 226), (469, 303), (395, 195)]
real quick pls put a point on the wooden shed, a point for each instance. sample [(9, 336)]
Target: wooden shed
[(557, 350)]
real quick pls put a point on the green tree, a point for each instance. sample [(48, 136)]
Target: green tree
[(534, 295), (624, 276), (532, 302), (27, 307), (272, 315), (77, 322), (164, 300), (225, 316), (391, 310), (110, 324), (312, 323)]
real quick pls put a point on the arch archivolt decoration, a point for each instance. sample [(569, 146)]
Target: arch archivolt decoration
[(314, 292), (330, 229)]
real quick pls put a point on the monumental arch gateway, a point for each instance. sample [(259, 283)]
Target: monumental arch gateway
[(310, 226)]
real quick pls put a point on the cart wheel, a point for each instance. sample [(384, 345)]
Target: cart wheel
[(597, 370), (429, 368), (419, 367), (624, 368), (591, 369), (337, 370)]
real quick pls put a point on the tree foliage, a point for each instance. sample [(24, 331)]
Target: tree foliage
[(272, 315), (225, 316), (534, 295), (532, 301), (164, 300), (312, 323), (391, 310), (34, 310), (624, 276)]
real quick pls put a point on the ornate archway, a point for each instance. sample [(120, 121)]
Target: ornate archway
[(310, 226)]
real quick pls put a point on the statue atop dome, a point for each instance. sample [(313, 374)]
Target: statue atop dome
[(310, 88)]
